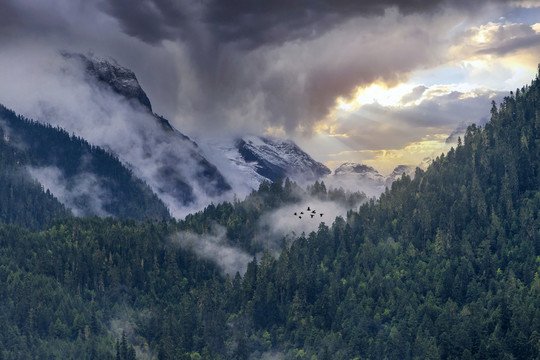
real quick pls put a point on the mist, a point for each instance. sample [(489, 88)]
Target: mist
[(281, 224), (213, 247), (83, 193), (125, 322), (354, 182)]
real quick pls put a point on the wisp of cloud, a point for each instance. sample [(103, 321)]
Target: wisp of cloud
[(213, 247)]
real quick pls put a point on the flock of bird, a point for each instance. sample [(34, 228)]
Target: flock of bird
[(310, 212)]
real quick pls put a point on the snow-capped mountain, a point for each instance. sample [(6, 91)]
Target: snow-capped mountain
[(271, 158), (250, 160), (174, 165), (358, 169)]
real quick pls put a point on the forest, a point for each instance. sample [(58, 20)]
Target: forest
[(444, 265), (27, 144)]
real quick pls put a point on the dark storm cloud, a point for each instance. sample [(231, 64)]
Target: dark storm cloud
[(18, 19), (149, 20), (254, 64), (8, 15), (253, 23)]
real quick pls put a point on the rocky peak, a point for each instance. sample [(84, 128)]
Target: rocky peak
[(120, 79)]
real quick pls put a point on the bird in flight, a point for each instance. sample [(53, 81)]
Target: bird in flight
[(309, 211)]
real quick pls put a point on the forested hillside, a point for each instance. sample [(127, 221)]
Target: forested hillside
[(88, 179), (442, 266)]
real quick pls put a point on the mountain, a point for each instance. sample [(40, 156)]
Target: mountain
[(398, 172), (37, 158), (169, 161), (270, 158), (361, 170)]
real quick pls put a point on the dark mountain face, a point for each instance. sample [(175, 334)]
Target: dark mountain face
[(169, 161), (85, 178), (120, 79)]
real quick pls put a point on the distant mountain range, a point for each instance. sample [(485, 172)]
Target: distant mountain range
[(174, 171)]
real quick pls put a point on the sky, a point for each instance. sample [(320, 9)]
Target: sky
[(378, 82)]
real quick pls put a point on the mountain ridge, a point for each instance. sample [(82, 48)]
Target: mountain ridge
[(168, 160)]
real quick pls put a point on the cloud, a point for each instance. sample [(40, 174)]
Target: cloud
[(247, 66), (459, 132), (255, 24), (271, 355), (377, 127), (214, 247), (83, 193), (414, 96), (296, 84), (497, 39), (371, 186), (231, 67), (126, 323), (417, 126), (8, 16), (270, 230), (226, 68)]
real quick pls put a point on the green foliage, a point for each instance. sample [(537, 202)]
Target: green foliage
[(23, 200)]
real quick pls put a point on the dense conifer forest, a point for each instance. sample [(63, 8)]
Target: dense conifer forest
[(28, 144), (444, 265)]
